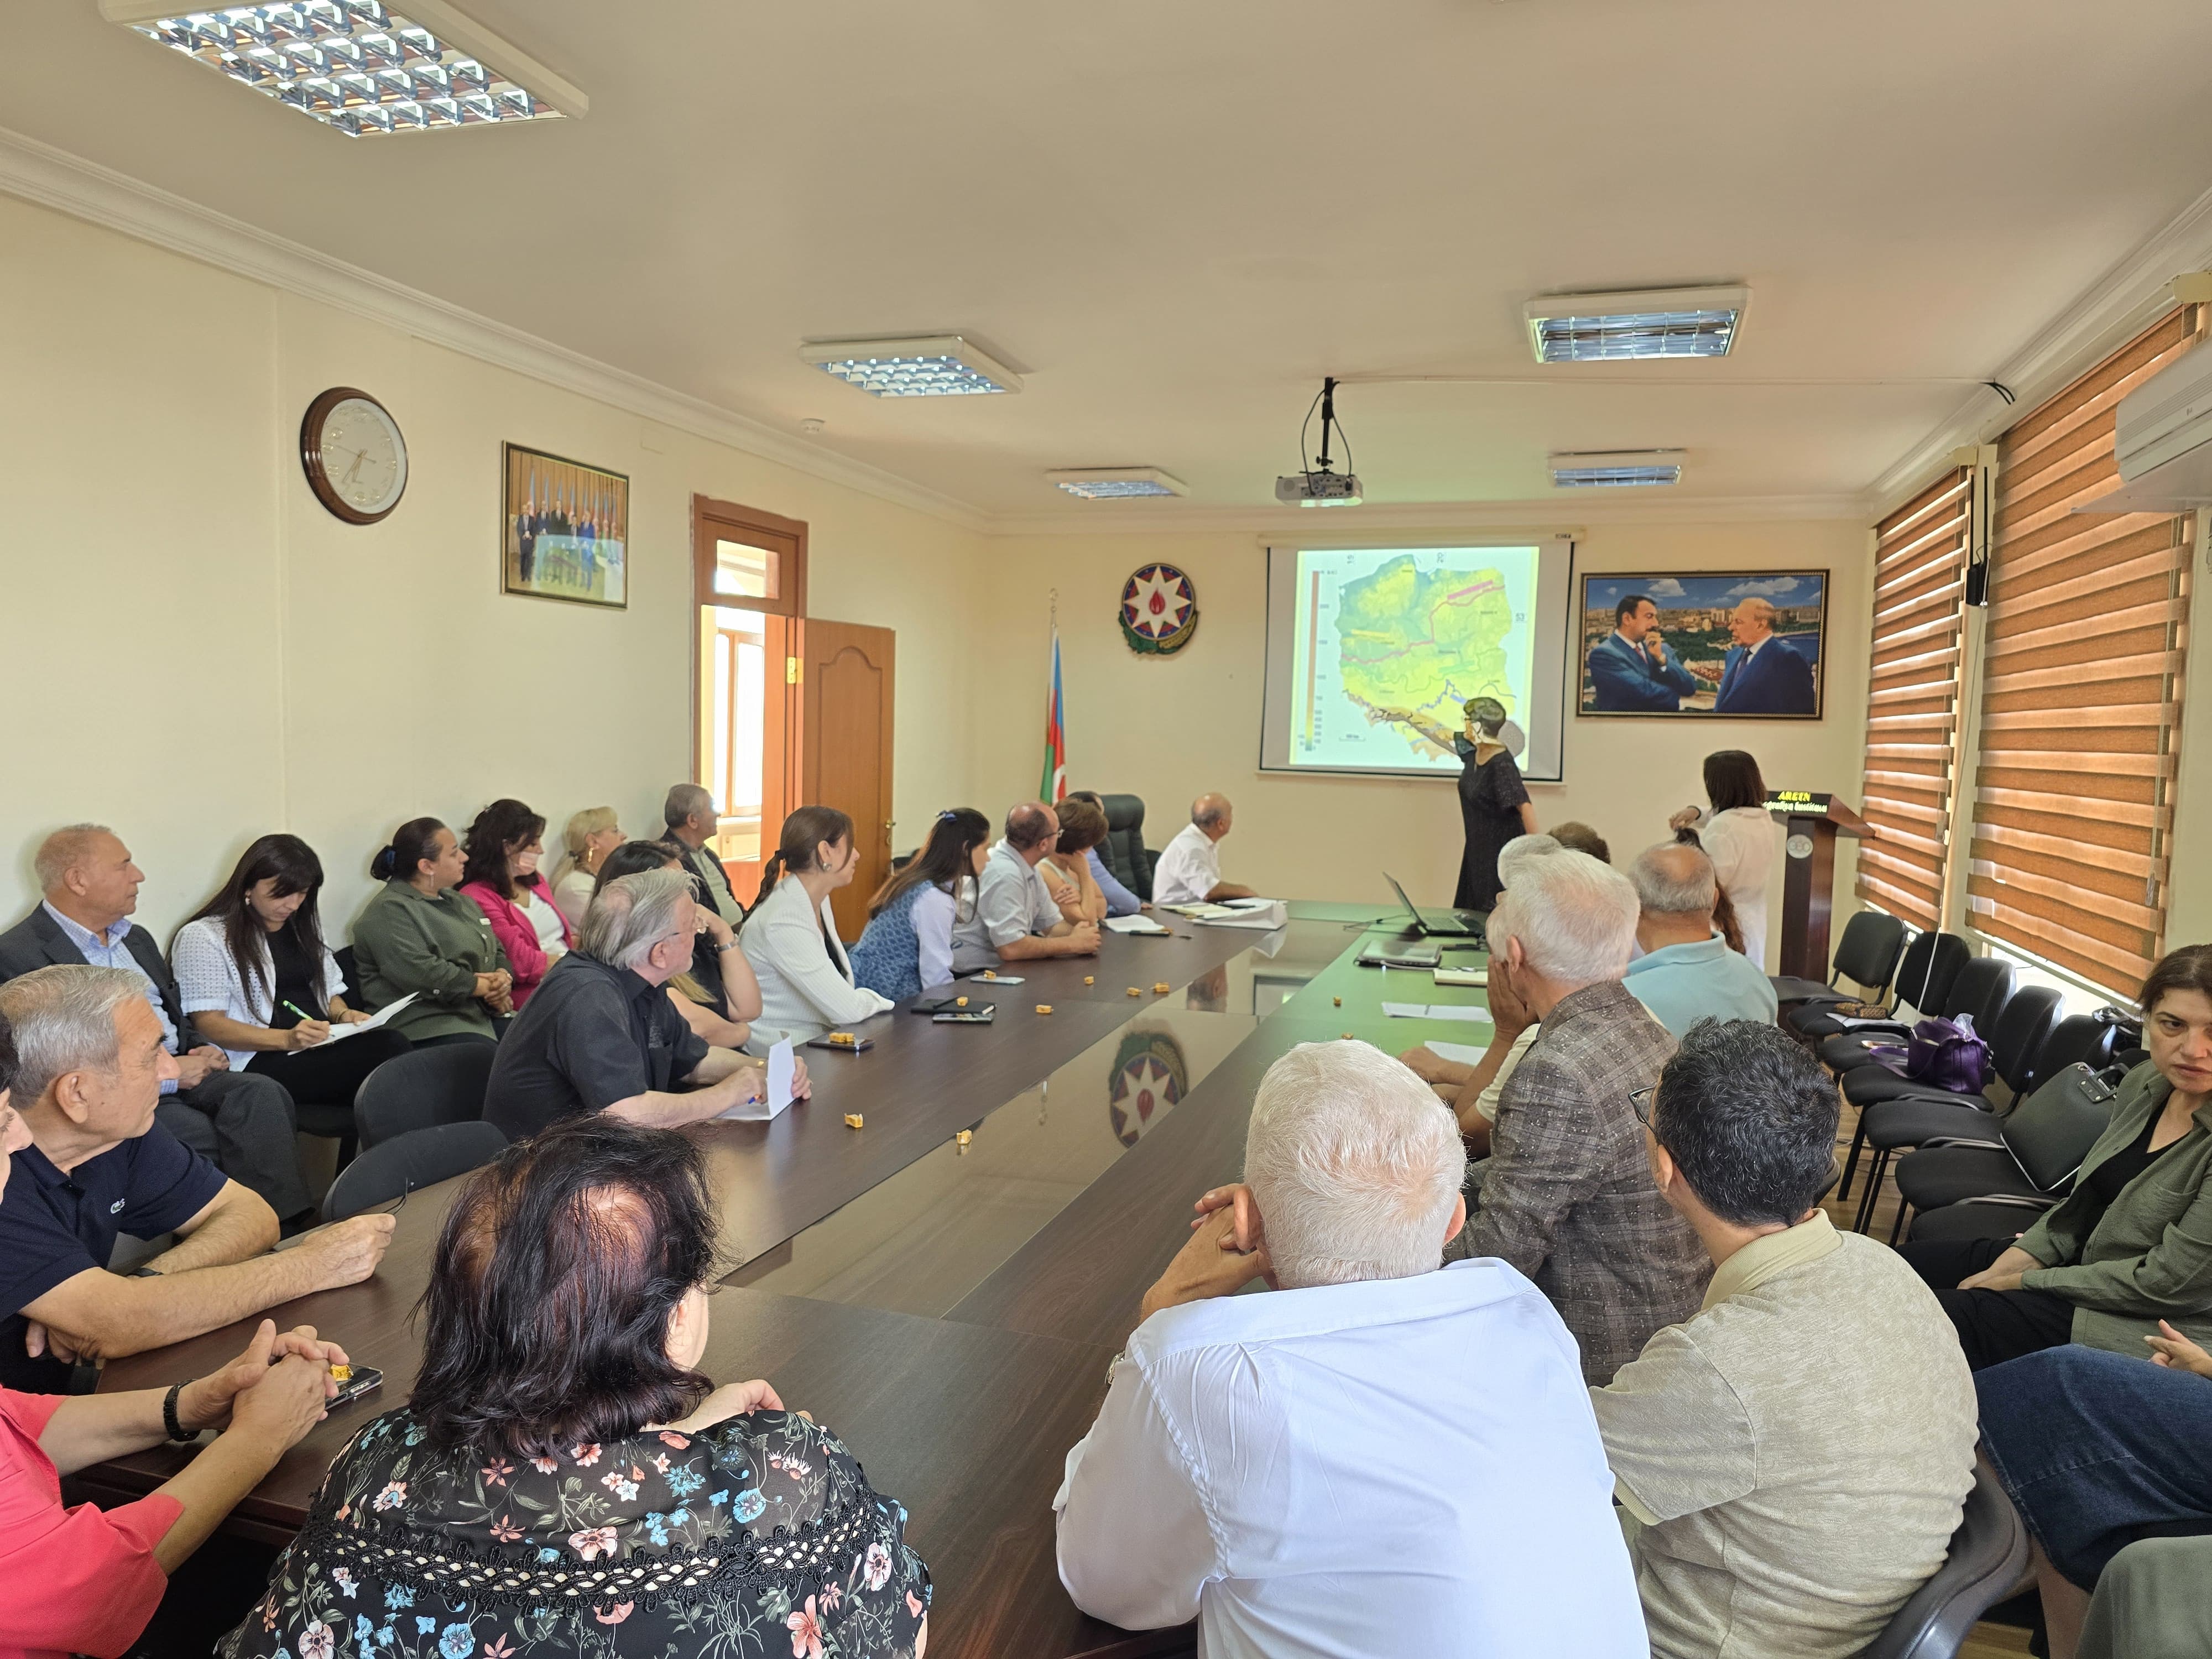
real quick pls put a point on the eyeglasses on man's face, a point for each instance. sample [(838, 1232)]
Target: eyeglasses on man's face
[(1640, 1102)]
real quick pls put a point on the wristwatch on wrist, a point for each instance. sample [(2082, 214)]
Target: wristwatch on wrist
[(170, 1421)]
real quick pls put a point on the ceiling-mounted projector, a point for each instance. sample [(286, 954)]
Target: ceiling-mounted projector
[(1321, 487)]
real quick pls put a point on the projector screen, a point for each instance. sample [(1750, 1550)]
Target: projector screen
[(1372, 652)]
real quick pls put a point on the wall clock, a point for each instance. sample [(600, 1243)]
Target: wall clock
[(1159, 611), (354, 456)]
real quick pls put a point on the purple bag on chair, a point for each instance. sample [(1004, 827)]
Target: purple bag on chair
[(1944, 1054)]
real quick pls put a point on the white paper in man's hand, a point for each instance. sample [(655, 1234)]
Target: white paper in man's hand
[(778, 1087)]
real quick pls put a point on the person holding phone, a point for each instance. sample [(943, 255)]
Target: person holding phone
[(88, 1580), (256, 976)]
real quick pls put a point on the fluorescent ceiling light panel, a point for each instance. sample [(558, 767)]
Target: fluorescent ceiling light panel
[(934, 366), (1674, 322), (1616, 469), (1100, 483), (361, 66)]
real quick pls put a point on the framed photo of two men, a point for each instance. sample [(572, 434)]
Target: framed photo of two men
[(564, 529), (1738, 644)]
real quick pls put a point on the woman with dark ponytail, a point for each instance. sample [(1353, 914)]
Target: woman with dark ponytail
[(419, 937), (908, 943), (790, 936)]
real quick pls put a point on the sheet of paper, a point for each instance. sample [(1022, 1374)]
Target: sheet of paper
[(339, 1033), (1460, 1054), (1135, 925), (1477, 976), (1406, 1010), (1436, 1011), (778, 1087)]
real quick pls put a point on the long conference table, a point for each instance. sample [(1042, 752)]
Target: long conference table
[(948, 1309)]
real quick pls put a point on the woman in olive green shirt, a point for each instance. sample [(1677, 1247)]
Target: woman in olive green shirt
[(419, 936), (2132, 1243)]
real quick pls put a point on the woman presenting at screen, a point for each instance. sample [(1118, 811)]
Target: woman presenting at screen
[(1493, 803)]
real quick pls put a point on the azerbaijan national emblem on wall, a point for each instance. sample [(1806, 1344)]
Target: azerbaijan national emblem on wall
[(1159, 611)]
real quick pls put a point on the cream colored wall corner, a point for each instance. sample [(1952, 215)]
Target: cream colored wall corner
[(2189, 847), (205, 654), (1168, 729)]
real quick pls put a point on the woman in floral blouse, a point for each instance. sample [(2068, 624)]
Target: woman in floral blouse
[(564, 1481)]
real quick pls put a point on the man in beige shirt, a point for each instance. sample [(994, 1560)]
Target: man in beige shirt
[(1792, 1460)]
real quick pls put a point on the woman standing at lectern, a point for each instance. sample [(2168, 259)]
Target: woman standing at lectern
[(1741, 837)]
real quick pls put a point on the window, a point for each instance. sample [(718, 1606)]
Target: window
[(749, 581), (1919, 579), (2073, 804)]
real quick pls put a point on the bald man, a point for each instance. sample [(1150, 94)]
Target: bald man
[(1688, 973), (1762, 675), (1189, 867), (1014, 918)]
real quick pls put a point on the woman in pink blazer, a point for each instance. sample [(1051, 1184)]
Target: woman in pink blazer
[(505, 847)]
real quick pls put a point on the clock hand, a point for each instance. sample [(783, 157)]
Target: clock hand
[(351, 471)]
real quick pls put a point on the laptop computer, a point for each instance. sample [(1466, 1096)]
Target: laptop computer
[(1439, 924)]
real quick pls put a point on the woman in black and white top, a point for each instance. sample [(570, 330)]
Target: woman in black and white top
[(256, 977)]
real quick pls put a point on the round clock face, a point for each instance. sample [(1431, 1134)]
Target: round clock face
[(354, 456)]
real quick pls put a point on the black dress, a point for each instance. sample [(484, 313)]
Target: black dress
[(1490, 797)]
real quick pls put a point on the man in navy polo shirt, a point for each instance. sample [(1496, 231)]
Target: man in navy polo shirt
[(92, 1062)]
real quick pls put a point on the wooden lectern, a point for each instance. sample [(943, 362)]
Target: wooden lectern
[(1812, 822)]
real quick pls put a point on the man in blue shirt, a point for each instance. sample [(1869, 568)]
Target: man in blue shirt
[(92, 1063), (1688, 973), (1761, 674), (1633, 669), (246, 1124)]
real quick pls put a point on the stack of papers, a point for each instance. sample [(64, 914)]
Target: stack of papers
[(1266, 914), (1436, 1010), (339, 1033), (1136, 925)]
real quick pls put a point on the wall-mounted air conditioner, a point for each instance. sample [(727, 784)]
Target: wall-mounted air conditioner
[(2163, 439)]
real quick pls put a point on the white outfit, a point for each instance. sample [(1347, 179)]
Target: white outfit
[(932, 917), (1402, 1466), (572, 895), (1743, 843), (805, 981), (1189, 868), (545, 918), (208, 981)]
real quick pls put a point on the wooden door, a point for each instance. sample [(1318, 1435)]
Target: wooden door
[(845, 746)]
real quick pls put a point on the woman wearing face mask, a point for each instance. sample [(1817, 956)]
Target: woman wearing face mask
[(256, 977), (504, 847), (421, 937), (791, 939)]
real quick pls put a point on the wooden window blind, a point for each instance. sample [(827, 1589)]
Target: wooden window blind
[(1919, 582), (2081, 694)]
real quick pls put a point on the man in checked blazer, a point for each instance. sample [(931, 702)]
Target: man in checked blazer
[(1566, 1194)]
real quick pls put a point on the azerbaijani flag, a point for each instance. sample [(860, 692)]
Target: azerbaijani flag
[(1054, 787)]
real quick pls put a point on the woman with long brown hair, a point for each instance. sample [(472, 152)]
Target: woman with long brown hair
[(1741, 837), (790, 936), (907, 945)]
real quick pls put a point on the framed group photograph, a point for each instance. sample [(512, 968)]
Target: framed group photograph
[(564, 529), (1738, 644)]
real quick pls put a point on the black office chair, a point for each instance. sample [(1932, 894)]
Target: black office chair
[(1123, 849), (2039, 1147), (1923, 979), (421, 1157), (2016, 1043), (1866, 955), (1987, 1559), (422, 1090)]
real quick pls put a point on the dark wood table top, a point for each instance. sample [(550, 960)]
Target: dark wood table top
[(964, 1416)]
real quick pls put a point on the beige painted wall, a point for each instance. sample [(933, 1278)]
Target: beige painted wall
[(1168, 729), (202, 654)]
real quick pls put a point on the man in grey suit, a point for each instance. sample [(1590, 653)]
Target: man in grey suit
[(246, 1124), (1566, 1194)]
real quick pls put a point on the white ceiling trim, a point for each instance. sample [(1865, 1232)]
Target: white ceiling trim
[(53, 178), (2120, 305), (1347, 523)]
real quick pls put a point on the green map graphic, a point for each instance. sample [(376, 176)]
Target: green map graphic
[(1423, 643)]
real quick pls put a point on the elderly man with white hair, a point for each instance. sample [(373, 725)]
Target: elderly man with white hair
[(1377, 1455), (1761, 675), (1688, 973), (599, 1035), (1566, 1194)]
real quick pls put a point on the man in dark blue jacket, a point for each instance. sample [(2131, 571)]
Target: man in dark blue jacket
[(1634, 669), (1762, 675)]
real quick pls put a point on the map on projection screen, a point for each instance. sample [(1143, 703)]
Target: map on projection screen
[(1387, 646)]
